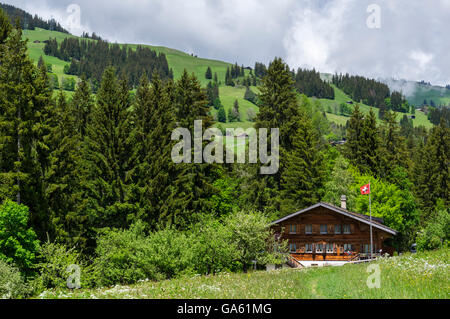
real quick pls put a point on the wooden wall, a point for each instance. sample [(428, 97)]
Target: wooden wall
[(360, 234)]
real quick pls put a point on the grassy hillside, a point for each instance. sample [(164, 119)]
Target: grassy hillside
[(439, 95), (412, 276), (179, 61), (341, 97)]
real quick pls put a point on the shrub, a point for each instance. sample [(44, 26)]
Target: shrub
[(437, 232), (55, 260), (12, 285), (18, 243), (253, 239), (123, 257), (212, 256)]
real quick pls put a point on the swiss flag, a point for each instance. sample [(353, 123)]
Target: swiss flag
[(365, 190)]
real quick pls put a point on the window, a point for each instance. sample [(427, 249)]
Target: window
[(308, 229), (337, 229), (347, 229), (309, 248), (348, 248), (292, 229), (330, 248), (366, 249), (293, 248), (323, 229), (319, 248)]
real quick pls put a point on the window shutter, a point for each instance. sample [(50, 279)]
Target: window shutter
[(300, 230), (352, 228)]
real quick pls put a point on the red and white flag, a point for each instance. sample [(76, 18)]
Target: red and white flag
[(365, 190)]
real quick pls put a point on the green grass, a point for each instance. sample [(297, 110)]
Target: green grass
[(341, 97), (179, 61), (418, 276)]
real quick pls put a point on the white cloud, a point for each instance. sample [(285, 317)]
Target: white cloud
[(330, 35)]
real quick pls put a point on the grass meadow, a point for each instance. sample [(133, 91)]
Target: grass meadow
[(411, 276)]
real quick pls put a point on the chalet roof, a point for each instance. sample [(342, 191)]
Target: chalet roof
[(376, 222)]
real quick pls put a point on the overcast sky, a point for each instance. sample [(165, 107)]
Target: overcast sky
[(408, 39)]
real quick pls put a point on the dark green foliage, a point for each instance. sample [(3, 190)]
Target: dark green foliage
[(393, 150), (106, 156), (192, 184), (82, 104), (260, 70), (278, 109), (303, 175), (28, 22), (26, 121), (360, 89), (68, 84), (308, 82), (431, 169), (221, 115), (154, 120), (208, 74), (64, 175), (436, 114), (91, 58), (250, 95)]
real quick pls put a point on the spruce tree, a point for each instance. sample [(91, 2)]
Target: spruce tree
[(303, 176), (370, 143), (278, 109), (154, 118), (432, 169), (68, 220), (208, 74), (107, 155), (192, 184), (25, 124), (82, 105), (353, 148), (393, 151)]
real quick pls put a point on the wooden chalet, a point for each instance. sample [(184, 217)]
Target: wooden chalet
[(325, 233)]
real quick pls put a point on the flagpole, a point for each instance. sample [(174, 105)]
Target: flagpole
[(370, 210)]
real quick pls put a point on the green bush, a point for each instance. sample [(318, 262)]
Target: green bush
[(55, 260), (12, 285), (437, 232), (18, 242), (123, 257)]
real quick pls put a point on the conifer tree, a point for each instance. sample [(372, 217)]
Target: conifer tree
[(25, 124), (370, 143), (107, 155), (208, 74), (154, 118), (353, 148), (221, 115), (278, 109), (303, 175), (68, 221), (393, 151), (82, 105), (432, 169), (192, 183)]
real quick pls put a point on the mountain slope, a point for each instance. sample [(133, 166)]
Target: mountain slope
[(179, 61)]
